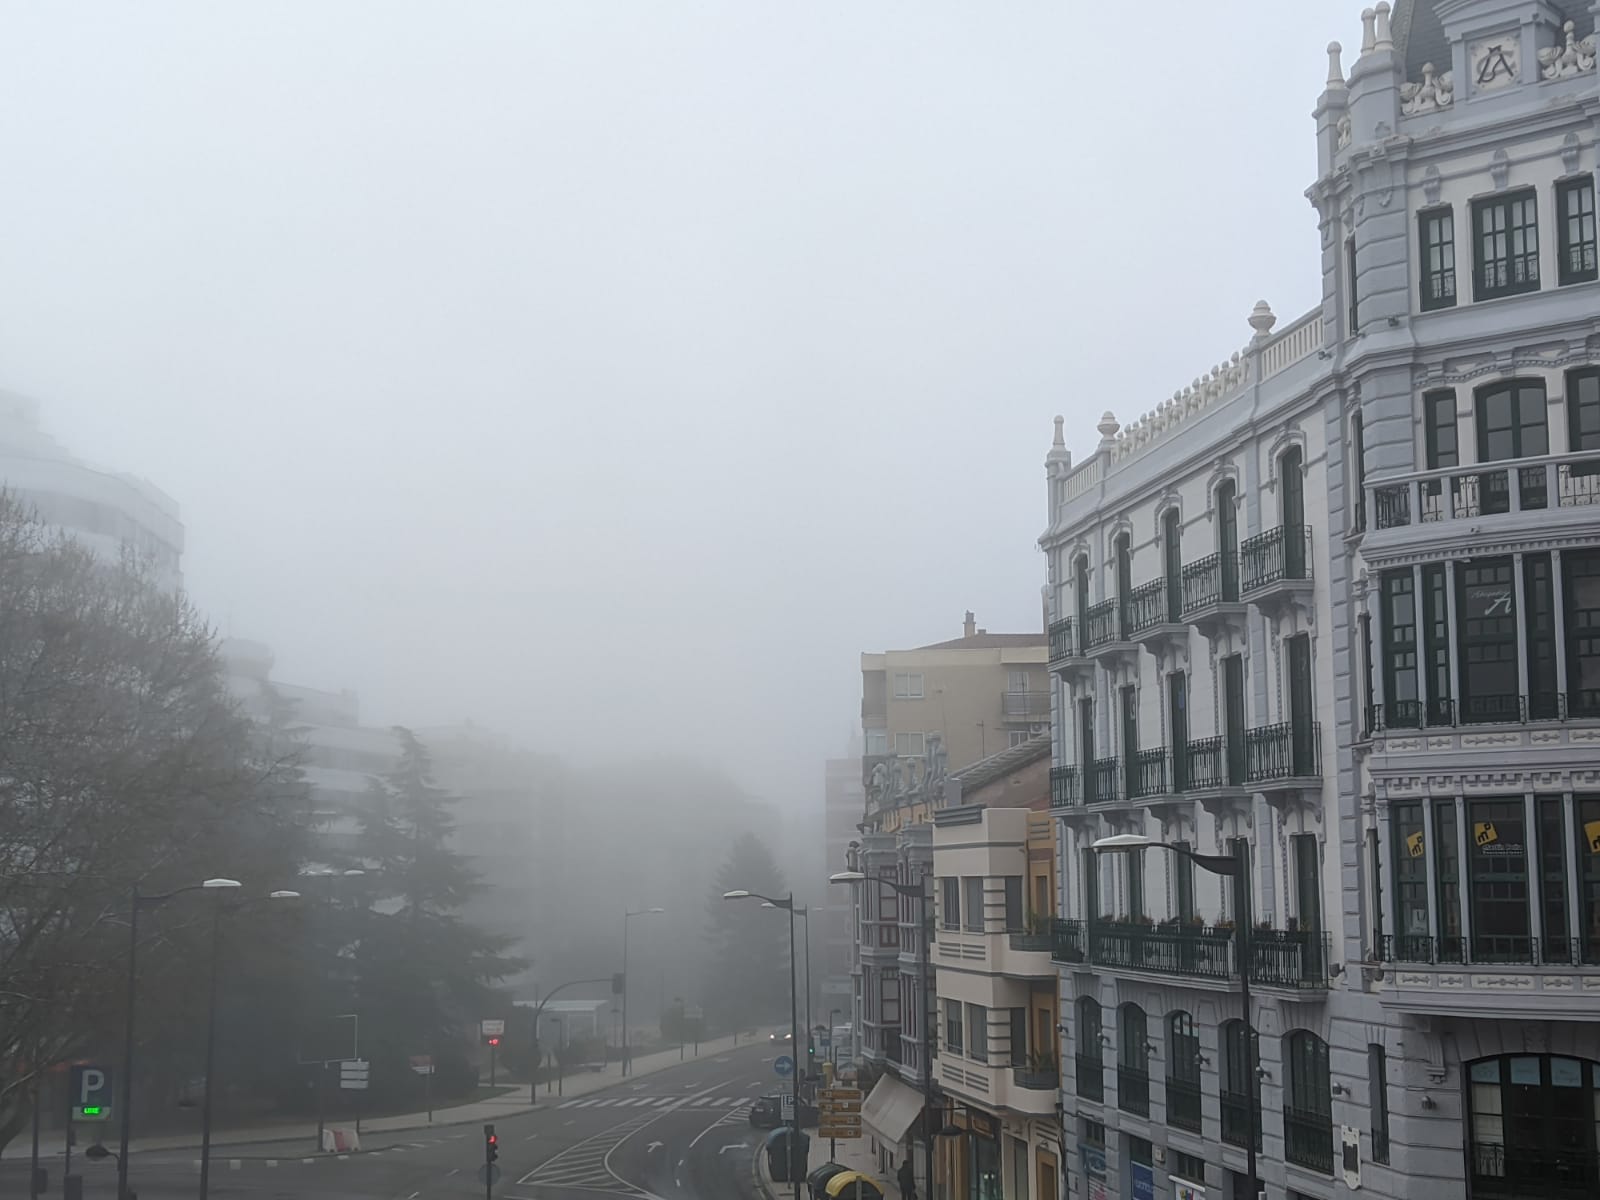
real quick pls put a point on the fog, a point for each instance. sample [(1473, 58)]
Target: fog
[(613, 374)]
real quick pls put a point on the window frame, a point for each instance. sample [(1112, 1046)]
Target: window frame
[(1578, 381), (899, 753), (921, 685), (972, 922), (1579, 186), (1444, 275), (1510, 208), (950, 913), (977, 1018)]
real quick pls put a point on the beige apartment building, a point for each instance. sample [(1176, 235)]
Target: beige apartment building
[(979, 693)]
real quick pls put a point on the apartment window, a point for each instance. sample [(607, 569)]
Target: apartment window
[(972, 887), (1588, 817), (1583, 410), (1016, 737), (1539, 623), (1506, 229), (1133, 1078), (1364, 625), (978, 1033), (1172, 562), (952, 1026), (908, 685), (1439, 421), (1436, 233), (910, 745), (1486, 604), (1354, 313), (1358, 455), (1378, 1100), (1182, 883), (950, 902), (1512, 420), (1401, 710), (1019, 1036), (877, 741), (1576, 230), (1183, 1073), (1436, 642), (1187, 1167), (1497, 880), (1016, 681), (1581, 581), (1308, 1102), (1553, 923), (1447, 872), (1531, 1126), (1091, 1058), (1375, 867)]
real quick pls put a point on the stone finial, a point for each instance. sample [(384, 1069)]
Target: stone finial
[(1108, 427), (1369, 38), (1335, 68), (1262, 318), (1061, 442), (1385, 41)]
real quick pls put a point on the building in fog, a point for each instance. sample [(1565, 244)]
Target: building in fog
[(844, 801), (1332, 610), (110, 512)]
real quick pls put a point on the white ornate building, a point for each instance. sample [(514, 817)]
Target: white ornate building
[(1335, 609)]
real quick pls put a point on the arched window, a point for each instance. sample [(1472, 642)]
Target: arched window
[(1183, 1072), (1122, 549), (1133, 1074), (1091, 1062), (1292, 512), (1307, 1102), (1172, 562), (1228, 540), (1531, 1127), (1241, 1084)]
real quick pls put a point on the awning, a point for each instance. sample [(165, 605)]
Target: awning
[(890, 1110)]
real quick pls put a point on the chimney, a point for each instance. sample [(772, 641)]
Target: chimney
[(970, 629)]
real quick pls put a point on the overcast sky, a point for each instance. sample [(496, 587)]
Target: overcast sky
[(614, 373)]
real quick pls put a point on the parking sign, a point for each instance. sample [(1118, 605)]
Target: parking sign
[(91, 1093)]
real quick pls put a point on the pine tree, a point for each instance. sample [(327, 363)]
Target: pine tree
[(748, 979)]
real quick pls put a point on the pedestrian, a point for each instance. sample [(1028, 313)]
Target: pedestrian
[(907, 1179)]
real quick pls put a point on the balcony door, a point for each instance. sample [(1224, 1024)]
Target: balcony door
[(1307, 884), (1228, 540), (1513, 422), (1294, 514), (1124, 582), (1172, 552), (1086, 747), (1178, 722), (1233, 715), (1080, 593), (1302, 706), (1130, 740)]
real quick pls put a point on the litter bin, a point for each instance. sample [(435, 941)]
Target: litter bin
[(787, 1163), (817, 1181)]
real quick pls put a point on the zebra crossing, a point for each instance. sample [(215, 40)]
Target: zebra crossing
[(642, 1102), (584, 1166)]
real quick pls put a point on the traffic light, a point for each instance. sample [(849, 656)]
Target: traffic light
[(491, 1145), (494, 1041)]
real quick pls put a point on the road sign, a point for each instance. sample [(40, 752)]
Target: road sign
[(839, 1112), (492, 1028), (489, 1173), (783, 1066), (422, 1064), (91, 1093), (786, 1107), (353, 1074)]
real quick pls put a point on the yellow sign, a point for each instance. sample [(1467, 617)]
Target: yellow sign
[(1414, 844), (1591, 830), (1483, 833)]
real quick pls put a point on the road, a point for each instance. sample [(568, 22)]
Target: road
[(679, 1134)]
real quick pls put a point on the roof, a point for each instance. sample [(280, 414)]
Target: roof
[(1419, 33), (991, 641), (998, 766)]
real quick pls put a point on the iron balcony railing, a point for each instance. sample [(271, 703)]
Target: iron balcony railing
[(1490, 949), (1101, 781), (1197, 952), (1276, 555), (1442, 712), (1102, 624), (1183, 1104), (1211, 580), (1486, 490), (1147, 773), (1091, 1082), (1236, 1119), (1066, 787), (1146, 607), (1289, 750), (1133, 1090), (1063, 639), (1215, 762), (1067, 938), (1031, 706), (1308, 1138), (1037, 1079), (1289, 958), (1510, 1172)]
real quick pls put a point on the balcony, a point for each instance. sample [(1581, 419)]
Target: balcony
[(1487, 949), (1308, 1139), (1501, 1172), (1133, 1090), (1284, 759), (1275, 569), (1030, 1091), (1183, 1104), (1102, 782), (1214, 770), (1105, 635), (1091, 1072), (1211, 596), (1025, 708), (1155, 617), (1497, 709), (1066, 788), (1196, 952), (1491, 976), (1044, 1076), (1147, 774), (1067, 941), (1289, 958), (1068, 658), (1236, 1119)]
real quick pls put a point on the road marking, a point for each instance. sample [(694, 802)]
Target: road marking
[(734, 1146), (455, 1170), (234, 1164), (272, 1162), (342, 1157), (531, 1136), (413, 1196), (653, 1147), (574, 1121), (308, 1160)]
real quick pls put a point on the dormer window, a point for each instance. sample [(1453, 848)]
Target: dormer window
[(1436, 232), (1576, 231), (1506, 230)]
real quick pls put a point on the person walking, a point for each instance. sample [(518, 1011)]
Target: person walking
[(907, 1179)]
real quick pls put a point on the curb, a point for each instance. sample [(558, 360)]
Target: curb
[(763, 1184)]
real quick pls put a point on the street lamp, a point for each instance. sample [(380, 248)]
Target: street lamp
[(786, 902), (804, 914), (626, 917), (135, 903), (1236, 867), (918, 892), (833, 1046)]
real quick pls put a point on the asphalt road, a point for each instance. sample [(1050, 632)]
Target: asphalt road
[(679, 1134)]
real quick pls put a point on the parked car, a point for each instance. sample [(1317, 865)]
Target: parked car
[(766, 1112)]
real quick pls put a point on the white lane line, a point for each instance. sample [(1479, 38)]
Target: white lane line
[(574, 1121), (413, 1196), (272, 1162), (455, 1170)]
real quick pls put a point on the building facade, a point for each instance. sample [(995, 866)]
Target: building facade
[(844, 801), (1329, 614)]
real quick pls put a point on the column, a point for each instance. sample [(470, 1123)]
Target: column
[(1464, 886), (1558, 602), (1521, 622), (1374, 663)]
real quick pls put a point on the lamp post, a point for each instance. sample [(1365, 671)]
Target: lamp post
[(794, 1023), (919, 893), (626, 917), (211, 1037), (833, 1046), (1235, 866), (135, 903), (804, 914)]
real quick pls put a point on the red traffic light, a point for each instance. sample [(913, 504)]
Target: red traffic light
[(494, 1139), (494, 1041)]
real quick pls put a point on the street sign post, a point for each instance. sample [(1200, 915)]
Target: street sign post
[(91, 1093), (422, 1064), (838, 1115), (353, 1075), (492, 1028), (783, 1066)]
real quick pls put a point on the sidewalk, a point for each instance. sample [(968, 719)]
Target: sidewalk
[(511, 1103), (854, 1153)]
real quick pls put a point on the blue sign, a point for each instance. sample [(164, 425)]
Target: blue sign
[(783, 1066), (1144, 1182)]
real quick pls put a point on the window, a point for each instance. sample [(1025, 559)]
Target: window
[(1553, 923), (1447, 870), (1228, 539), (1538, 613), (1353, 315), (972, 894), (908, 686), (1183, 1074), (1016, 737), (1187, 1167), (950, 902), (1240, 1085), (1308, 1102), (952, 1026), (910, 745), (1183, 883), (1133, 1076), (1364, 634), (1016, 681), (1091, 1062), (1581, 582), (1583, 433), (1019, 1036), (1506, 229), (1401, 708), (1575, 230), (1531, 1127), (877, 741), (1436, 642), (1512, 420), (978, 1033), (1497, 880), (1358, 456), (1439, 421), (1436, 234), (1172, 562), (1378, 1100), (1588, 817), (1486, 604), (1015, 921)]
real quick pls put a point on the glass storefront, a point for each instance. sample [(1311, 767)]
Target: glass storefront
[(1532, 1127)]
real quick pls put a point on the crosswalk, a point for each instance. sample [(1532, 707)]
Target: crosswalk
[(730, 1102)]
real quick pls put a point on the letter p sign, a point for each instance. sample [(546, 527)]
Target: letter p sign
[(91, 1093)]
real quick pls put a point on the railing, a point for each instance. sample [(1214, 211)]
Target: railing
[(1102, 624), (1504, 709), (1533, 1170), (1292, 343), (1133, 1090), (1214, 763), (1183, 1104), (1197, 952), (1410, 714), (1278, 554), (1490, 949), (1289, 958), (1236, 1119), (1063, 639), (1100, 783), (1147, 773), (1037, 1079), (1486, 490), (1213, 579), (1066, 788), (1308, 1139), (1032, 939), (1067, 936), (1091, 1077), (1146, 607), (1028, 705), (1283, 751)]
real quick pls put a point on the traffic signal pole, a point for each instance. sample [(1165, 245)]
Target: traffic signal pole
[(491, 1151)]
